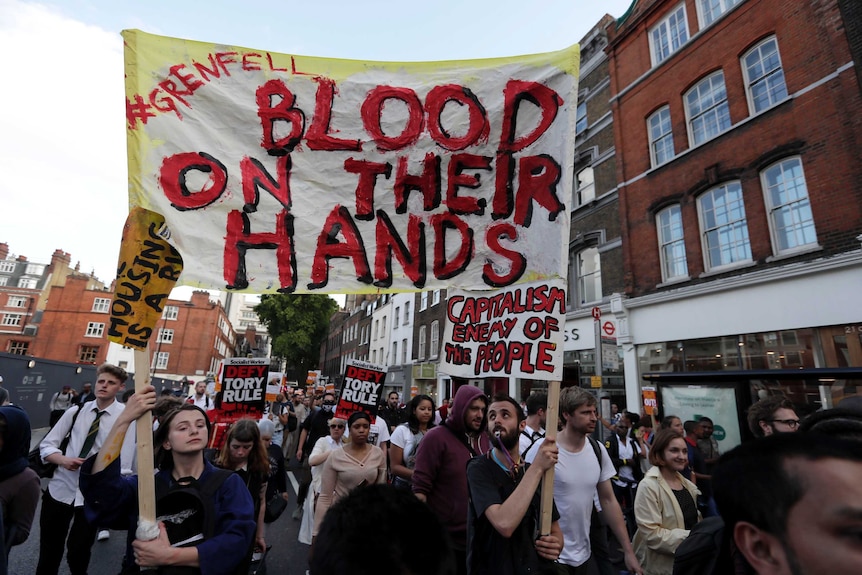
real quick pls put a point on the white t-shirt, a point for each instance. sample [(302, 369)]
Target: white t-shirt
[(406, 440), (575, 478), (526, 438)]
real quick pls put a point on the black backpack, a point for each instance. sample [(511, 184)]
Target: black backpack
[(188, 513), (699, 553)]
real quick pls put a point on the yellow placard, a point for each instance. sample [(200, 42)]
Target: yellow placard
[(147, 270), (595, 381)]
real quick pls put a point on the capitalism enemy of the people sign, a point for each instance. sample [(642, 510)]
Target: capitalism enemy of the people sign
[(517, 331), (360, 390), (295, 174)]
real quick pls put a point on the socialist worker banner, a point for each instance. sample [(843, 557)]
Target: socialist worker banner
[(360, 390), (296, 174), (517, 331)]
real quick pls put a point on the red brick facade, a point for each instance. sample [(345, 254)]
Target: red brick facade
[(819, 122)]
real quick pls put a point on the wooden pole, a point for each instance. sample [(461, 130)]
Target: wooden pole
[(146, 477), (552, 415)]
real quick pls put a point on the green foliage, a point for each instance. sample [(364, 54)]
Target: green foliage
[(297, 324)]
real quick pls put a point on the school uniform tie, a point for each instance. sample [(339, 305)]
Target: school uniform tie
[(91, 435)]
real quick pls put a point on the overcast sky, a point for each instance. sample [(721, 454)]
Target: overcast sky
[(62, 118)]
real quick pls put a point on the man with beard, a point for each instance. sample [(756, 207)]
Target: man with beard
[(505, 501), (439, 478), (792, 504)]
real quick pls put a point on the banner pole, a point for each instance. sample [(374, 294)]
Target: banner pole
[(146, 466), (552, 415)]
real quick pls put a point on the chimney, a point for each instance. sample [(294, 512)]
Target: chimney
[(4, 250), (200, 298), (22, 258), (60, 256)]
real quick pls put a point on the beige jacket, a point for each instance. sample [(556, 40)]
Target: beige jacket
[(661, 527)]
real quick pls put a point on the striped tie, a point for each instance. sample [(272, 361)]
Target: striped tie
[(91, 435)]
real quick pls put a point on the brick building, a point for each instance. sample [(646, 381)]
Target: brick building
[(74, 323), (737, 130)]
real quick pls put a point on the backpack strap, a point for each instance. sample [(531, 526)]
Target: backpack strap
[(533, 439), (595, 445)]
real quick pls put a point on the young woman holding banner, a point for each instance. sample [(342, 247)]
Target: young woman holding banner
[(112, 499)]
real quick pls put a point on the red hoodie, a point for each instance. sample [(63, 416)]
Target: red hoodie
[(441, 465)]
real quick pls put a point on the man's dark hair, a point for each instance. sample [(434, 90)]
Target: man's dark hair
[(519, 411), (536, 401), (408, 537), (837, 422), (633, 418), (763, 410), (752, 482), (705, 418), (690, 426)]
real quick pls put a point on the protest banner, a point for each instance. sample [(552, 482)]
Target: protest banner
[(295, 174), (241, 384), (516, 331), (147, 270), (360, 390)]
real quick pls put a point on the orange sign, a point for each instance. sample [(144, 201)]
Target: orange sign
[(650, 402)]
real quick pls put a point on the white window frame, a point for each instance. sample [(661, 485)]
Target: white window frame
[(660, 130), (581, 118), (27, 283), (735, 230), (434, 343), (435, 297), (712, 117), (394, 353), (421, 351), (101, 304), (775, 93), (404, 351), (668, 221), (594, 277), (7, 266), (95, 329), (34, 269), (160, 359), (4, 280), (706, 17), (396, 319), (798, 207), (12, 319), (665, 28), (406, 312), (166, 335), (585, 184), (16, 301), (423, 301), (171, 312)]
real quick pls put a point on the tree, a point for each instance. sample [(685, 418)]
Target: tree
[(297, 324)]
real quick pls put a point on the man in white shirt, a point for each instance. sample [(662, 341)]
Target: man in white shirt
[(537, 403), (63, 503), (200, 397), (578, 475)]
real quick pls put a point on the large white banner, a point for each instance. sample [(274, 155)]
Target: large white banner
[(517, 331), (277, 172)]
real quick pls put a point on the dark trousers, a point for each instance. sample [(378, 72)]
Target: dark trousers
[(586, 568), (55, 520), (304, 481)]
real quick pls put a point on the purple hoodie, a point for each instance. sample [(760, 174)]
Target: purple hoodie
[(441, 465)]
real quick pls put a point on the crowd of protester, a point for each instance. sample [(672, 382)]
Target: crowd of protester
[(459, 490)]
